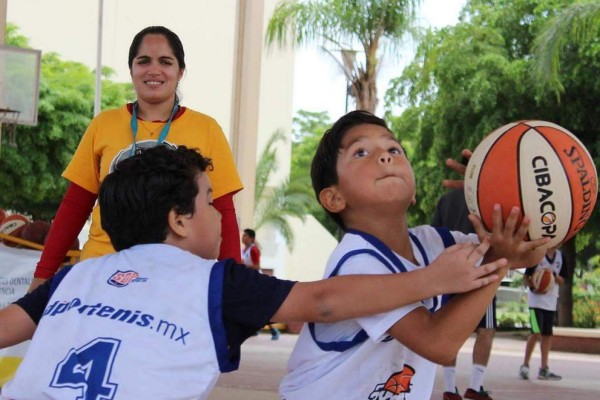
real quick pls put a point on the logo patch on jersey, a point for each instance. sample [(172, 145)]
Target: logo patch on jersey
[(398, 383), (124, 278)]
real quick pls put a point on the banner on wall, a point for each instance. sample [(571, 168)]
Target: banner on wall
[(16, 273)]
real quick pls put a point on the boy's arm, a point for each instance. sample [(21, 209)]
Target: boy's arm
[(527, 277), (351, 296), (16, 326), (439, 336)]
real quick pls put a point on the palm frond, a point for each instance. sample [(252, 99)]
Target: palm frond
[(577, 23), (284, 201), (267, 163)]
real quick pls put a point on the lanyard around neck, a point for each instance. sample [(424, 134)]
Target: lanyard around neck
[(163, 133)]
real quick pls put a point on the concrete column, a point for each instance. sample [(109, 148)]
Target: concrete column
[(3, 7), (3, 21), (246, 102)]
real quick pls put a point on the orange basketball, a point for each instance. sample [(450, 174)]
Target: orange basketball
[(539, 167), (542, 280), (13, 225), (36, 231)]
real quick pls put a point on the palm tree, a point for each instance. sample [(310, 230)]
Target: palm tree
[(337, 25), (273, 206), (578, 23)]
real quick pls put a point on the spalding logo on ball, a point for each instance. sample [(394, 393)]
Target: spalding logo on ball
[(541, 168)]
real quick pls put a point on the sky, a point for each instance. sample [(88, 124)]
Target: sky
[(314, 69), (314, 72)]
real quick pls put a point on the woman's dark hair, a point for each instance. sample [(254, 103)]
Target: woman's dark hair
[(171, 37), (136, 198), (323, 170)]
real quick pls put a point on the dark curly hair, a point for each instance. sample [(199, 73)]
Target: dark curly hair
[(138, 195)]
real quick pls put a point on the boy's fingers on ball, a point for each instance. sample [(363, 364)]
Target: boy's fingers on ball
[(511, 222), (524, 227), (497, 217)]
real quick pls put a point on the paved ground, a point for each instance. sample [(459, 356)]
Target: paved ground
[(264, 362)]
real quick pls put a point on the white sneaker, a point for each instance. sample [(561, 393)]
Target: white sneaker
[(524, 372)]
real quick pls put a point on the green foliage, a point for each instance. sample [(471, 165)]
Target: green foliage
[(586, 304), (586, 300), (30, 173), (471, 78), (512, 315), (273, 206), (308, 130), (577, 23)]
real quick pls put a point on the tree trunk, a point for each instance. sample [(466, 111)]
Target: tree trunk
[(565, 299), (365, 95)]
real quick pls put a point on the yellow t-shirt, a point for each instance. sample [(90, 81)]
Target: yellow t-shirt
[(108, 139)]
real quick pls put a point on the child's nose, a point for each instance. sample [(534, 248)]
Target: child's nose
[(385, 158)]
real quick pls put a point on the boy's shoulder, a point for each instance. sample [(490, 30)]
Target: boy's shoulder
[(427, 240)]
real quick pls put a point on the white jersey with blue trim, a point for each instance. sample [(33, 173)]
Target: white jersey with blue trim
[(152, 305), (357, 359), (547, 301)]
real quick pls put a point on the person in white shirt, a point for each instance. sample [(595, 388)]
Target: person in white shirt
[(542, 307)]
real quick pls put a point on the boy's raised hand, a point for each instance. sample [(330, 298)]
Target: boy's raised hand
[(455, 270), (508, 239)]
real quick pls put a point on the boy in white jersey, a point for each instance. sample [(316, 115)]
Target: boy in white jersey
[(542, 307), (161, 318), (363, 179)]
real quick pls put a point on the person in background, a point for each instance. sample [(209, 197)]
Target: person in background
[(156, 64), (452, 212), (542, 308), (251, 259)]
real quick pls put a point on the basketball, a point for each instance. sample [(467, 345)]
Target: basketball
[(36, 231), (539, 167), (542, 280), (13, 225)]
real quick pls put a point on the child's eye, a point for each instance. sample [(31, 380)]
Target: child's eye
[(396, 150), (360, 153), (166, 62)]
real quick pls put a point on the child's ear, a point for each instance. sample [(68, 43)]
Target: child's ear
[(332, 200), (414, 200), (177, 224)]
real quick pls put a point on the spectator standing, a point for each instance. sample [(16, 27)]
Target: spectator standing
[(542, 308), (251, 259)]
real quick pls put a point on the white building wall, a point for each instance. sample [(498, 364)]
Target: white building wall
[(208, 30)]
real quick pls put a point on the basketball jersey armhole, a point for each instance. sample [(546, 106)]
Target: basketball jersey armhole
[(215, 317), (57, 279)]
